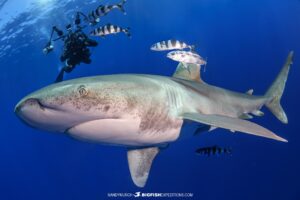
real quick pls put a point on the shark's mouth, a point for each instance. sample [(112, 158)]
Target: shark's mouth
[(32, 102), (42, 106), (45, 106)]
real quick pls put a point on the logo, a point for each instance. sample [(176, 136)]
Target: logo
[(151, 195), (137, 194)]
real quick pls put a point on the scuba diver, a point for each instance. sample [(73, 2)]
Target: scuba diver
[(76, 47)]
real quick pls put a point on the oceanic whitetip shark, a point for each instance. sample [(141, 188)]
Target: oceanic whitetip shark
[(145, 112)]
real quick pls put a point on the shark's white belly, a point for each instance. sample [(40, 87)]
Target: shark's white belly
[(122, 132)]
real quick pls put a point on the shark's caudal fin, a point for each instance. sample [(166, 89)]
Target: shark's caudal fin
[(276, 90), (140, 161)]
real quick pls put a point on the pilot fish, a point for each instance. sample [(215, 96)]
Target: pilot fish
[(213, 150), (171, 45), (109, 29), (102, 10), (186, 57)]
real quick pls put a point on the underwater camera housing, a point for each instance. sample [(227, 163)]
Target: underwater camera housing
[(48, 48)]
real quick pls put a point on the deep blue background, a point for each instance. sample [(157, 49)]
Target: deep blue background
[(246, 43)]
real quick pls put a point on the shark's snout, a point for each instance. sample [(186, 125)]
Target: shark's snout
[(38, 113), (29, 110), (29, 102)]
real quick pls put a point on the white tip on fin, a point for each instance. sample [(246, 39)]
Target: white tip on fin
[(250, 92), (212, 128), (258, 113), (245, 116), (140, 161)]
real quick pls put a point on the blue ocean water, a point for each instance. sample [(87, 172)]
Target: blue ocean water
[(246, 43)]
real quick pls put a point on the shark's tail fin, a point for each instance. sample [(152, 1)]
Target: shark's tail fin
[(276, 90)]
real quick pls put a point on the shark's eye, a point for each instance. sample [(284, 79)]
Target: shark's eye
[(82, 91)]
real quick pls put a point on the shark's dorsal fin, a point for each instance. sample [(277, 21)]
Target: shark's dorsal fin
[(140, 161), (233, 124), (188, 72)]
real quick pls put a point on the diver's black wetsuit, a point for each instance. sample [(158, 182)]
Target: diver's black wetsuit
[(75, 51)]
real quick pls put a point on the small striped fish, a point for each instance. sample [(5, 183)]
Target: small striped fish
[(213, 150), (170, 45), (186, 57), (109, 29), (102, 10)]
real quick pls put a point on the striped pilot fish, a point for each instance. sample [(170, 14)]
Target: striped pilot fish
[(102, 10), (109, 29), (213, 150), (186, 57), (171, 45)]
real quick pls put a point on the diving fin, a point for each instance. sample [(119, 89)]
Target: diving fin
[(60, 76), (140, 161), (233, 124)]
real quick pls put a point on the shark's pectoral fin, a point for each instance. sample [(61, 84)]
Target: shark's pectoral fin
[(233, 124), (140, 161)]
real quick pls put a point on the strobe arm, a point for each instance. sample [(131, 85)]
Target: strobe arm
[(49, 46), (78, 20)]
